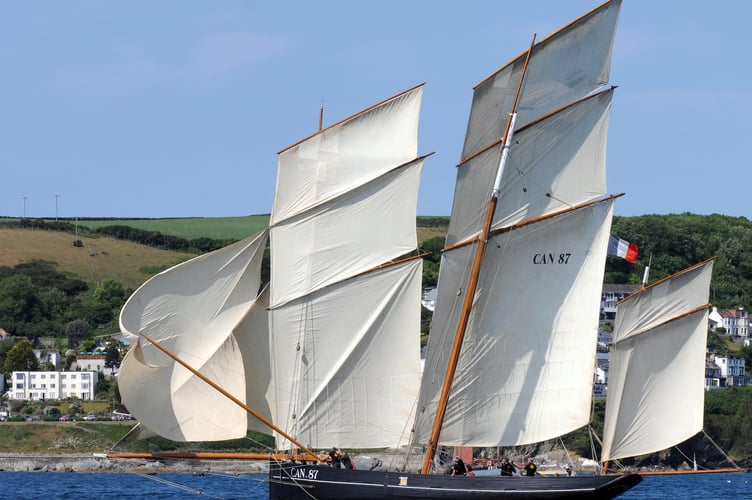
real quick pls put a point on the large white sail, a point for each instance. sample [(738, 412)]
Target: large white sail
[(346, 348), (564, 67), (525, 372), (660, 337), (526, 369), (196, 310)]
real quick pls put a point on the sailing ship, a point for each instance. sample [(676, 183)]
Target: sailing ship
[(660, 337), (328, 354)]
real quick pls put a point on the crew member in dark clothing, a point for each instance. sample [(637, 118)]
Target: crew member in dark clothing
[(507, 468), (335, 456), (345, 459), (530, 467), (458, 467)]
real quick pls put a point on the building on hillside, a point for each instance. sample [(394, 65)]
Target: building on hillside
[(93, 362), (712, 374), (715, 320), (736, 323), (3, 334), (429, 298), (732, 371), (27, 385), (610, 295), (48, 358)]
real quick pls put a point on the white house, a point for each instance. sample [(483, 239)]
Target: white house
[(52, 385), (732, 370), (736, 322)]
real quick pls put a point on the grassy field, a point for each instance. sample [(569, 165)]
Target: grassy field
[(219, 228), (61, 437), (99, 258)]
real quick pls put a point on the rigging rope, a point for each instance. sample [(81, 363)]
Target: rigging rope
[(176, 485)]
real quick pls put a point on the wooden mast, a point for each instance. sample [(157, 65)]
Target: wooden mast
[(227, 394), (474, 276)]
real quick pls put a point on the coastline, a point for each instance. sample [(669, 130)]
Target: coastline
[(99, 462)]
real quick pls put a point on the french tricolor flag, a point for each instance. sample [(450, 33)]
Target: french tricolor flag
[(623, 249)]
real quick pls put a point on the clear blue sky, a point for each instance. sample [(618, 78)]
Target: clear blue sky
[(178, 108)]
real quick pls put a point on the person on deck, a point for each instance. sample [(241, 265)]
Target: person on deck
[(507, 468), (334, 454), (458, 467), (530, 468), (469, 471), (345, 459)]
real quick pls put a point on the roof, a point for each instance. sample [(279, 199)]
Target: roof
[(620, 288), (733, 313)]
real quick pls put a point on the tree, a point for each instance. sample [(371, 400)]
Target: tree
[(112, 358), (110, 292), (77, 331), (21, 358)]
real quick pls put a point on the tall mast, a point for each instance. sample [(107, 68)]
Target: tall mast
[(474, 275)]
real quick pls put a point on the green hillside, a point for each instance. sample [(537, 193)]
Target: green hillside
[(99, 258)]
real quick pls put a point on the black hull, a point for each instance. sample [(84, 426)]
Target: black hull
[(293, 481)]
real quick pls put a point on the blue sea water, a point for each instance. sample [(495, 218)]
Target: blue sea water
[(83, 486), (699, 486)]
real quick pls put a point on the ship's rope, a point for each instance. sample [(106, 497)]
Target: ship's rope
[(570, 462), (178, 486), (719, 449)]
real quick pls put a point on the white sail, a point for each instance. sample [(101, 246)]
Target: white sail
[(195, 310), (563, 156), (564, 67), (526, 369), (660, 338), (346, 347), (525, 372)]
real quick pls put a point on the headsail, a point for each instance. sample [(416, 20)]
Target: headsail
[(199, 310), (532, 329), (660, 338), (346, 348)]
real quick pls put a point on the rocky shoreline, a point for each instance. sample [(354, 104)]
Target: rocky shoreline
[(89, 463)]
